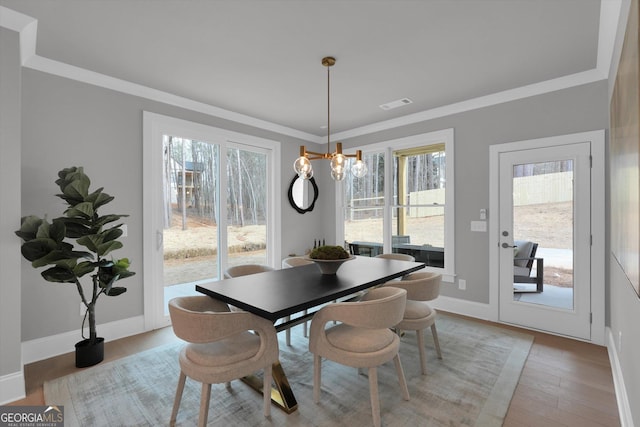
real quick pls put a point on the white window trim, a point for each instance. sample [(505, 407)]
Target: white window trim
[(154, 126), (436, 137)]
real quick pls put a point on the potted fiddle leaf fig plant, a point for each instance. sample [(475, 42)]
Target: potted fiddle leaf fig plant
[(74, 246)]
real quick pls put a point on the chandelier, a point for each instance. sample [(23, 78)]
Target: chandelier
[(338, 164)]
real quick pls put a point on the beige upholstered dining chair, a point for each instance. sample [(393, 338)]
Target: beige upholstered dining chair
[(402, 257), (362, 339), (290, 262), (245, 269), (418, 315), (220, 347)]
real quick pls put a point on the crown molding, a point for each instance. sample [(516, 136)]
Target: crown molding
[(72, 72), (552, 85), (27, 27)]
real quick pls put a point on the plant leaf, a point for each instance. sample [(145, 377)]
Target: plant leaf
[(29, 227), (58, 275), (57, 230), (107, 247), (115, 291), (83, 209), (37, 248), (84, 267), (111, 234), (91, 241), (56, 257), (98, 198), (43, 231), (105, 219), (74, 185)]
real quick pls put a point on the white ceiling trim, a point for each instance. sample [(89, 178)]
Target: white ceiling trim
[(61, 69), (27, 27), (609, 18), (480, 102)]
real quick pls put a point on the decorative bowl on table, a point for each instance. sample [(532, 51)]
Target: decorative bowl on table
[(329, 258)]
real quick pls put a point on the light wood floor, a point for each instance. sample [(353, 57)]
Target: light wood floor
[(564, 382)]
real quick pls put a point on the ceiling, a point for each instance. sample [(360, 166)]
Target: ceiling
[(263, 58)]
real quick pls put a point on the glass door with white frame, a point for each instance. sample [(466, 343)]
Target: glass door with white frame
[(545, 239)]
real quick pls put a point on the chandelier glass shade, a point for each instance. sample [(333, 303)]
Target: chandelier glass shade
[(302, 165)]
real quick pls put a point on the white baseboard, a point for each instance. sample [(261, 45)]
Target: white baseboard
[(624, 407), (54, 345), (464, 307), (12, 387)]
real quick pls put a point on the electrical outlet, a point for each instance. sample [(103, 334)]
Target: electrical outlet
[(462, 284), (125, 230)]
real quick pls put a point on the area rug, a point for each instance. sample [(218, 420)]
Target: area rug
[(471, 386)]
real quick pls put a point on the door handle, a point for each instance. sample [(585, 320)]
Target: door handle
[(506, 245), (159, 240)]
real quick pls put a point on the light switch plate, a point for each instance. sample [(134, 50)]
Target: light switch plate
[(479, 226)]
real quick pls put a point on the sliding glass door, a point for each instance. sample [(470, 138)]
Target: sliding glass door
[(210, 203)]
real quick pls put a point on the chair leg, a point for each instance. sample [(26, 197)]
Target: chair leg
[(266, 390), (422, 351), (401, 379), (204, 405), (436, 342), (176, 402), (373, 391), (317, 365)]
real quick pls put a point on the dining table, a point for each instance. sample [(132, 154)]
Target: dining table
[(289, 292)]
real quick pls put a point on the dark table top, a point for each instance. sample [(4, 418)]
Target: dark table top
[(279, 293)]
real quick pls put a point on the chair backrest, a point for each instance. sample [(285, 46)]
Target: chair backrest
[(524, 253), (379, 308), (419, 286), (295, 261), (202, 319), (402, 257), (245, 269), (191, 316)]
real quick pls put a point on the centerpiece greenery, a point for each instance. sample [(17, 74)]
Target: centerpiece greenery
[(329, 252), (329, 258), (47, 244)]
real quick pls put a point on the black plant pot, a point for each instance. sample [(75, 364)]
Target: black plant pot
[(89, 355)]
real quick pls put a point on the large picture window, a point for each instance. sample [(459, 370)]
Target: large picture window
[(405, 202)]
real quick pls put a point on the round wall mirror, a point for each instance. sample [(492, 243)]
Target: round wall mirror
[(303, 194)]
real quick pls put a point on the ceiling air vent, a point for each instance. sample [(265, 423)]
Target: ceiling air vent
[(395, 104)]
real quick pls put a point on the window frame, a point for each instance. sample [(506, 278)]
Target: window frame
[(445, 136)]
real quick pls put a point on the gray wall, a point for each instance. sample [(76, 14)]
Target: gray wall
[(10, 304), (567, 111)]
